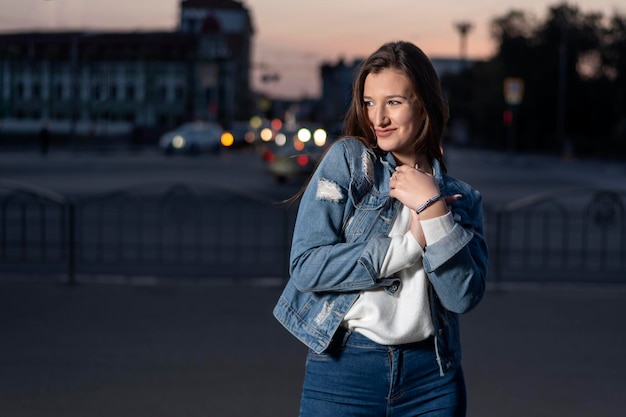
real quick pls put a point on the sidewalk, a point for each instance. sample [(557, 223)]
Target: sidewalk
[(216, 351)]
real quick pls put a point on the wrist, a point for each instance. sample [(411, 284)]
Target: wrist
[(437, 209), (432, 200)]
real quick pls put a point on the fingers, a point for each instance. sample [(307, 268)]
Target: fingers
[(452, 198), (406, 168), (393, 181), (400, 172), (410, 177), (406, 183)]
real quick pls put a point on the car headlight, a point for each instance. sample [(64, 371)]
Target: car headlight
[(178, 142), (227, 139), (304, 134), (319, 137), (281, 139)]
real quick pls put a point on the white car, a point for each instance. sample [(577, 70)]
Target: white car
[(192, 138)]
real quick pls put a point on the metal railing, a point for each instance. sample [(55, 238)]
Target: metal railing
[(574, 235), (175, 232), (36, 231), (181, 231)]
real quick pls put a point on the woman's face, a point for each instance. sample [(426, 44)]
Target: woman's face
[(391, 108)]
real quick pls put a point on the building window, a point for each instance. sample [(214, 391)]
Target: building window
[(19, 90), (130, 92), (162, 92), (113, 92), (186, 25), (96, 92), (180, 93), (58, 91), (36, 91)]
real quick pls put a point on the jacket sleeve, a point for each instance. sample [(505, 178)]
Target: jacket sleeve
[(456, 264), (321, 259)]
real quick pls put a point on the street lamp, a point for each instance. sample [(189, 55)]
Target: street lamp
[(463, 28)]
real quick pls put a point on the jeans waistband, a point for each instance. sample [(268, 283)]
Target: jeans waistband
[(343, 335)]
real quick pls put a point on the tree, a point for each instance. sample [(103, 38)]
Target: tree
[(613, 67), (574, 69)]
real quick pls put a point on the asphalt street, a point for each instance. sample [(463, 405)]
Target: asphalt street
[(200, 351), (501, 177), (215, 350)]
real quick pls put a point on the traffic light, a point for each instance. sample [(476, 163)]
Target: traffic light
[(507, 118)]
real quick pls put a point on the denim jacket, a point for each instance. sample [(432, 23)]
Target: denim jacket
[(341, 237)]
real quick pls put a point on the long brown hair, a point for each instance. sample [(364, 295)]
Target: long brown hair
[(412, 62), (417, 67)]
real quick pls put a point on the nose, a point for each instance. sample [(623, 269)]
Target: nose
[(380, 116)]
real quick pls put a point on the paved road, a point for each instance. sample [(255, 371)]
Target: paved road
[(79, 172), (214, 350), (501, 177)]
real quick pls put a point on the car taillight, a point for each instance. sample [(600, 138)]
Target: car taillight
[(303, 160), (268, 156)]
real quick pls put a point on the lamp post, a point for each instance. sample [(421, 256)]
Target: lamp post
[(460, 123), (562, 87), (463, 28)]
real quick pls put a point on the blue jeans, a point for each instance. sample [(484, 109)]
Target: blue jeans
[(363, 378)]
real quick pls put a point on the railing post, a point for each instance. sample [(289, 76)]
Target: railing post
[(498, 251), (71, 243)]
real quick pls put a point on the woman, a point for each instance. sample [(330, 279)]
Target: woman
[(387, 251)]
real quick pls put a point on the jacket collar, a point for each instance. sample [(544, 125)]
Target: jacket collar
[(390, 162)]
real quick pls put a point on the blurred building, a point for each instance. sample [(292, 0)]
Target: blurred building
[(116, 83), (336, 91)]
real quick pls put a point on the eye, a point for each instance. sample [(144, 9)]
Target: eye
[(394, 102), (368, 103)]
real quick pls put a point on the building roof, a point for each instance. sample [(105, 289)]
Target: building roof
[(213, 4), (98, 45), (218, 5), (211, 25)]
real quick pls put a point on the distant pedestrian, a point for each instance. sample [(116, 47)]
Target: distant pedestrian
[(387, 250)]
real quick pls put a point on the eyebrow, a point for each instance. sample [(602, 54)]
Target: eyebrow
[(389, 96)]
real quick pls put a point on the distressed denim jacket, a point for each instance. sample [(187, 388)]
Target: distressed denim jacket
[(341, 237)]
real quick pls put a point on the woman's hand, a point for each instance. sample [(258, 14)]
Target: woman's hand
[(413, 187)]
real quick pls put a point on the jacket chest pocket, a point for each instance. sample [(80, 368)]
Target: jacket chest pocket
[(366, 213)]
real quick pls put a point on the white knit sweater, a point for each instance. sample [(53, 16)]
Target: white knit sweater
[(404, 316)]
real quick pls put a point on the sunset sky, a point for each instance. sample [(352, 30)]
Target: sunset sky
[(292, 37)]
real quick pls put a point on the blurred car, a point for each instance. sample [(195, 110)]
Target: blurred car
[(294, 156), (192, 138), (235, 135)]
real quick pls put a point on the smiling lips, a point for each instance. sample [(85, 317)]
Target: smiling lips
[(383, 133)]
